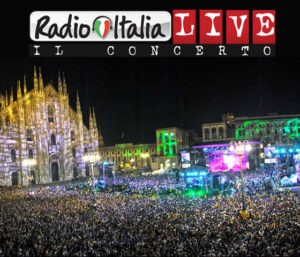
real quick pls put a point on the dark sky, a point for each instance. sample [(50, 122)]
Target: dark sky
[(136, 96)]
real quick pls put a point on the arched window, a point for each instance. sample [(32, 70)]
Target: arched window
[(29, 134), (74, 152), (221, 133), (214, 133), (30, 153), (159, 138), (72, 135), (50, 113), (7, 121), (206, 134), (75, 173), (55, 171), (14, 178), (53, 139), (87, 170), (13, 155), (174, 149)]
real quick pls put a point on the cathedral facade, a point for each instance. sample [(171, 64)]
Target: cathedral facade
[(42, 139)]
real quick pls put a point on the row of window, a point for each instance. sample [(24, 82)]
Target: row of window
[(221, 135), (266, 132), (13, 154), (128, 151), (29, 136), (30, 154), (214, 133), (50, 115), (269, 125), (167, 149), (123, 159)]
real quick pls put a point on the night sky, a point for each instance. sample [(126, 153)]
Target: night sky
[(138, 95)]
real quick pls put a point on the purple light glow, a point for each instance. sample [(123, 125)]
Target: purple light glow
[(211, 146), (222, 145), (221, 160)]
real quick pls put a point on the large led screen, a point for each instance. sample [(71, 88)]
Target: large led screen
[(220, 160)]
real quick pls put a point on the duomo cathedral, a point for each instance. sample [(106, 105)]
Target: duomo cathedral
[(42, 138)]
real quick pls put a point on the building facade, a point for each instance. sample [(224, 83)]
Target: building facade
[(42, 138), (272, 129), (128, 155), (275, 141), (160, 155), (169, 142)]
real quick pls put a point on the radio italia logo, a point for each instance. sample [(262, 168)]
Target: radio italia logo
[(185, 32), (100, 26)]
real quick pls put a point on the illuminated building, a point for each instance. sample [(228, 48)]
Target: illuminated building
[(275, 129), (272, 136), (163, 154), (272, 129), (169, 141), (128, 155), (39, 124), (216, 131)]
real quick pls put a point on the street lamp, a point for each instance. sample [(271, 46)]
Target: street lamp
[(91, 158), (28, 163), (240, 148)]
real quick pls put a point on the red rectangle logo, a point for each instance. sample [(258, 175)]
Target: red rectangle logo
[(237, 27), (263, 28), (211, 31), (184, 27)]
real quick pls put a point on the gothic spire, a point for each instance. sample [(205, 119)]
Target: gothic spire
[(6, 98), (90, 119), (59, 84), (19, 92), (94, 119), (78, 108), (64, 85), (24, 86), (35, 81), (11, 95), (41, 83)]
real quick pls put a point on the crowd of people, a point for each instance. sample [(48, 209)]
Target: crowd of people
[(52, 221)]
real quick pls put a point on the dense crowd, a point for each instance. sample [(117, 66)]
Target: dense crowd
[(63, 223)]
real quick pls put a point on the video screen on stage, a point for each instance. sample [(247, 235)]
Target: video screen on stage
[(220, 160), (185, 160), (269, 151)]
